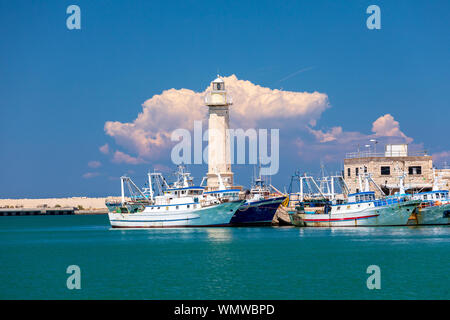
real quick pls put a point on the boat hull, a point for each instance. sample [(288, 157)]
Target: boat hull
[(257, 212), (393, 215), (434, 215), (213, 216)]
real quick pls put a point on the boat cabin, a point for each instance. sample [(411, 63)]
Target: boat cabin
[(185, 192), (259, 190), (361, 197), (230, 194), (437, 195)]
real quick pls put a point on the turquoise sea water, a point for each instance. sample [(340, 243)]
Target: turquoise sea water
[(219, 263)]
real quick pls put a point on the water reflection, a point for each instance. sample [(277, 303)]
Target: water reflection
[(219, 234), (385, 234), (176, 234)]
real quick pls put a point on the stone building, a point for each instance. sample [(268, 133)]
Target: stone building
[(444, 175), (387, 168)]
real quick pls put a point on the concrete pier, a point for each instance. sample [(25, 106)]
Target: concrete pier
[(36, 211)]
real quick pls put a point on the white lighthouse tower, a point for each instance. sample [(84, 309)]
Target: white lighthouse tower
[(219, 158)]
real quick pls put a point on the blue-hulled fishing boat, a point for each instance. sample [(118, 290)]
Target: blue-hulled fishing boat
[(260, 206)]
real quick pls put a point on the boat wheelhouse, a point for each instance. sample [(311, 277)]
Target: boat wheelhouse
[(230, 194), (433, 196), (361, 197)]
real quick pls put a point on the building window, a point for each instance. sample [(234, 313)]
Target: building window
[(415, 170), (348, 172), (385, 171), (357, 171)]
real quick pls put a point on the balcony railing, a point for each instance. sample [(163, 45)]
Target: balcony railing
[(369, 154)]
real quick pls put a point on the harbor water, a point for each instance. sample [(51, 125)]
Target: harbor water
[(219, 263)]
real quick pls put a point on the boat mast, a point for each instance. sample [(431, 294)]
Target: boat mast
[(122, 189), (366, 183), (360, 181), (402, 183), (221, 185), (332, 188), (301, 189), (150, 185)]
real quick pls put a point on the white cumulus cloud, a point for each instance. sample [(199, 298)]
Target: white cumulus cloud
[(148, 136), (335, 142), (121, 157), (89, 175), (441, 157), (94, 164), (104, 148), (383, 127), (386, 126)]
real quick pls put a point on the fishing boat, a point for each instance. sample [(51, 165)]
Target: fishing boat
[(260, 205), (360, 209), (434, 208), (179, 205), (257, 212)]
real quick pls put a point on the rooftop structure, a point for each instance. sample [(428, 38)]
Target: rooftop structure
[(391, 150), (387, 168)]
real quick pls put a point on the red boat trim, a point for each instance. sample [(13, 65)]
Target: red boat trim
[(341, 219), (179, 226)]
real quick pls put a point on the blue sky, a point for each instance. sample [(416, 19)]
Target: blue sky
[(59, 87)]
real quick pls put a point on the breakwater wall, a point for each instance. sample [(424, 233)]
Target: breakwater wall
[(36, 211), (82, 204)]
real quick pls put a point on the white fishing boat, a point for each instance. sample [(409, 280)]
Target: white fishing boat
[(179, 205), (360, 209)]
